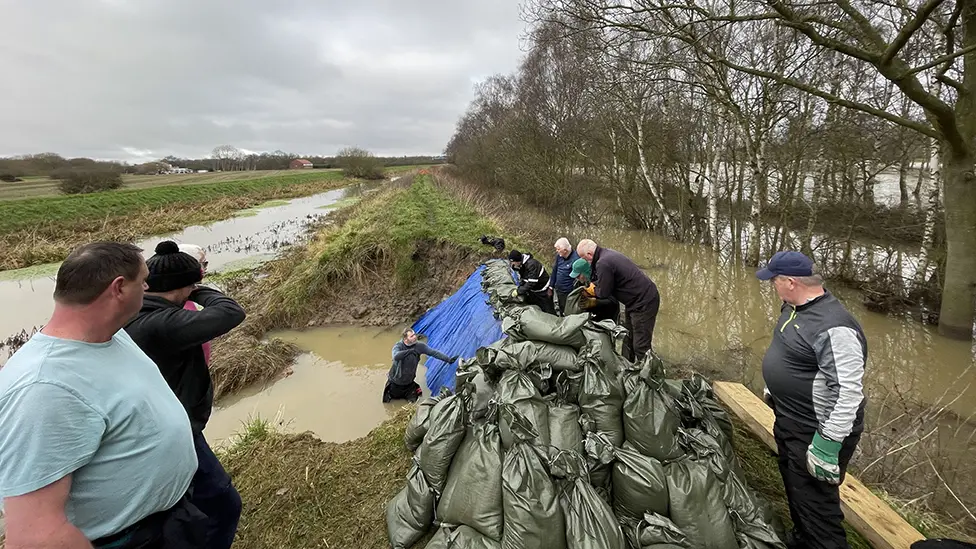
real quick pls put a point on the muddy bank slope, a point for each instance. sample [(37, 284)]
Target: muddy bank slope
[(382, 261)]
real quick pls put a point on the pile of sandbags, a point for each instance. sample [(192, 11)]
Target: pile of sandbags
[(553, 440)]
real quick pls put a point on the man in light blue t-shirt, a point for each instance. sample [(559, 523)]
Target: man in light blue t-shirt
[(95, 449)]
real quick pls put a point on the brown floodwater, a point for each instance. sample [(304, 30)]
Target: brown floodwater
[(335, 391), (716, 314), (252, 236)]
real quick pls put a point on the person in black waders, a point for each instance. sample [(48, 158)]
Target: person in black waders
[(400, 383), (533, 285), (174, 337), (814, 375)]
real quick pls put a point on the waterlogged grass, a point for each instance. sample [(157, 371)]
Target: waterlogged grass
[(23, 214), (388, 230), (30, 273), (44, 230), (301, 492)]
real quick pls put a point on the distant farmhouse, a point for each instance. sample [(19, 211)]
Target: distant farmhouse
[(299, 164)]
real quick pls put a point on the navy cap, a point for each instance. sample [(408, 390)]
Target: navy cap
[(786, 264)]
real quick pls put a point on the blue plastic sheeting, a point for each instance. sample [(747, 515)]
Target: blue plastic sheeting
[(459, 325)]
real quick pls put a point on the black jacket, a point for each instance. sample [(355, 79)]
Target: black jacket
[(615, 275), (173, 337), (814, 368), (532, 275)]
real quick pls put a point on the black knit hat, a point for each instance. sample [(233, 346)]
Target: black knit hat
[(171, 269), (515, 256)]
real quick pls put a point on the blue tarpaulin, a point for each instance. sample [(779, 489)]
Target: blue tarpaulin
[(459, 325)]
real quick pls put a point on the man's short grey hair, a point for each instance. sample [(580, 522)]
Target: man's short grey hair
[(407, 332), (563, 244), (585, 246), (816, 279)]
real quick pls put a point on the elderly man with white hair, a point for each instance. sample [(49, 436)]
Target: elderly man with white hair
[(615, 275), (562, 282)]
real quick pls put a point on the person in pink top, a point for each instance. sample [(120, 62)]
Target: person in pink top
[(201, 256)]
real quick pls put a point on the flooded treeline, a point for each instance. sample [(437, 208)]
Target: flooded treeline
[(717, 123)]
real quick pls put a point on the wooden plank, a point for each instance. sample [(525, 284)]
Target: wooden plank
[(866, 512)]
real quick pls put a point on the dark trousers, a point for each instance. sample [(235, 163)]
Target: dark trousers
[(182, 526), (640, 330), (814, 505), (561, 299), (542, 299), (395, 391), (215, 495)]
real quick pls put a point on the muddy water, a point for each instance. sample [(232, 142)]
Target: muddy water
[(718, 315), (251, 236), (335, 390)]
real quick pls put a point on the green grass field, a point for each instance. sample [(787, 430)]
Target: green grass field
[(33, 212), (39, 186)]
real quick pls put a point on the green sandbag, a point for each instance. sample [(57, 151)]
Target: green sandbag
[(534, 325), (445, 434), (466, 537), (440, 539), (601, 395), (533, 518), (650, 421), (418, 424), (599, 454), (523, 355), (473, 384), (755, 523), (603, 336), (639, 484), (516, 389), (564, 426), (573, 302), (411, 512), (708, 413), (590, 523), (705, 448), (473, 493), (697, 505), (565, 432), (653, 531)]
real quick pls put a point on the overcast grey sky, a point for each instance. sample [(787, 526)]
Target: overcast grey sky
[(141, 79)]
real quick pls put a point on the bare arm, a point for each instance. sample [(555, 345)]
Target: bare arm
[(37, 521)]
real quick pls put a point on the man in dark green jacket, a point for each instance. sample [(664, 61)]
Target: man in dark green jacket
[(173, 338)]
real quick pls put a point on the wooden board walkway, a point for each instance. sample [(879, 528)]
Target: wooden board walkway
[(869, 515)]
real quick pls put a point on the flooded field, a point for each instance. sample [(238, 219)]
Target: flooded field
[(335, 389), (717, 314), (253, 236)]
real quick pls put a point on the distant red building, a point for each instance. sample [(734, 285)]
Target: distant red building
[(299, 163)]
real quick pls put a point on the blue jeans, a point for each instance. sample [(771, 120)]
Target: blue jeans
[(215, 495)]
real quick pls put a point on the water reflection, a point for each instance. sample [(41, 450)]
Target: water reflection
[(335, 391), (714, 313), (29, 303)]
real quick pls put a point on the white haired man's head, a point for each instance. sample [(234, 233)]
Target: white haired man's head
[(197, 252), (563, 247)]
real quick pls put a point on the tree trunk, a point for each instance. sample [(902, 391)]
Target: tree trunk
[(903, 181), (932, 172), (958, 303)]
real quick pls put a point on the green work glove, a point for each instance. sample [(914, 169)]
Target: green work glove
[(823, 460), (515, 292)]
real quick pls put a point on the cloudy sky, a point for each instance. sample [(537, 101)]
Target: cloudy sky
[(141, 79)]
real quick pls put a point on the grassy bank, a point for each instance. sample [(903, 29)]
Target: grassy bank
[(413, 240), (380, 261), (300, 492), (43, 230)]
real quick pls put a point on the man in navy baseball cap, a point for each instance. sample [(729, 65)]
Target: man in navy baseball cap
[(786, 264), (814, 374)]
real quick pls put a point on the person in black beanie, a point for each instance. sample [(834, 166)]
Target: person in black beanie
[(533, 281), (173, 338)]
